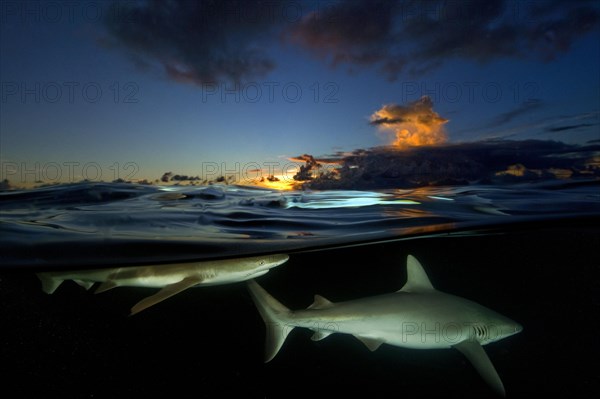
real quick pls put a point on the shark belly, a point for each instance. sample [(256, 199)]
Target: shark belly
[(150, 281)]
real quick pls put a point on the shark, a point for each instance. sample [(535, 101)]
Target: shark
[(417, 316), (172, 278)]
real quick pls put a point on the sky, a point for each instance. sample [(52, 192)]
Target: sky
[(133, 89)]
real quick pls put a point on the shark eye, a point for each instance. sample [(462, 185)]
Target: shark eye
[(261, 262)]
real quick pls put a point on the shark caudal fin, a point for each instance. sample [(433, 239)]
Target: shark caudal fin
[(49, 282), (273, 314)]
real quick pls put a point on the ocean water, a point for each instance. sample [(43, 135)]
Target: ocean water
[(529, 251)]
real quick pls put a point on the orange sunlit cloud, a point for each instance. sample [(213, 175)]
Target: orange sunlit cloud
[(414, 124)]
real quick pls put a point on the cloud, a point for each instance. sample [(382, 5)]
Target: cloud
[(532, 127), (524, 108), (302, 158), (414, 124), (489, 161), (353, 32), (225, 41), (420, 36), (569, 127), (197, 41)]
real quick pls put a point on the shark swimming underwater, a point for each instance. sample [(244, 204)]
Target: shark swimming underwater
[(172, 278), (417, 316)]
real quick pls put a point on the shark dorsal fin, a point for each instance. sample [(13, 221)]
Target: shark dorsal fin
[(320, 303), (416, 278)]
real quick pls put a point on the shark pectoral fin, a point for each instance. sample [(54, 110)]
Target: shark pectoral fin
[(370, 343), (320, 303), (105, 286), (480, 360), (320, 334), (85, 284), (167, 292), (49, 283)]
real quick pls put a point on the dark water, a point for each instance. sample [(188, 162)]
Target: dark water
[(89, 225), (529, 252)]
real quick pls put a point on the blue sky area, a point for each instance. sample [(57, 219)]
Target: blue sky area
[(134, 89)]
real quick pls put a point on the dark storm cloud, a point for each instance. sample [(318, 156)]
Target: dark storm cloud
[(419, 36), (560, 24), (197, 41), (216, 41), (353, 32), (489, 161)]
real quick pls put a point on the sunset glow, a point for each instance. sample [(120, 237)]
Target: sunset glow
[(414, 124), (238, 90), (280, 182)]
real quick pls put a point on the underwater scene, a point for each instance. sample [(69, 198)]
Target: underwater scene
[(527, 251), (299, 198)]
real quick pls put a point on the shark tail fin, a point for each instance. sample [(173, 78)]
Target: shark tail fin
[(274, 315), (49, 282)]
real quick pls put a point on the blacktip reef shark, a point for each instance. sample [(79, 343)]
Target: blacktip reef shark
[(417, 316), (172, 278)]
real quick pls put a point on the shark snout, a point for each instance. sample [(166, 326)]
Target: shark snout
[(512, 329), (518, 328), (276, 260)]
